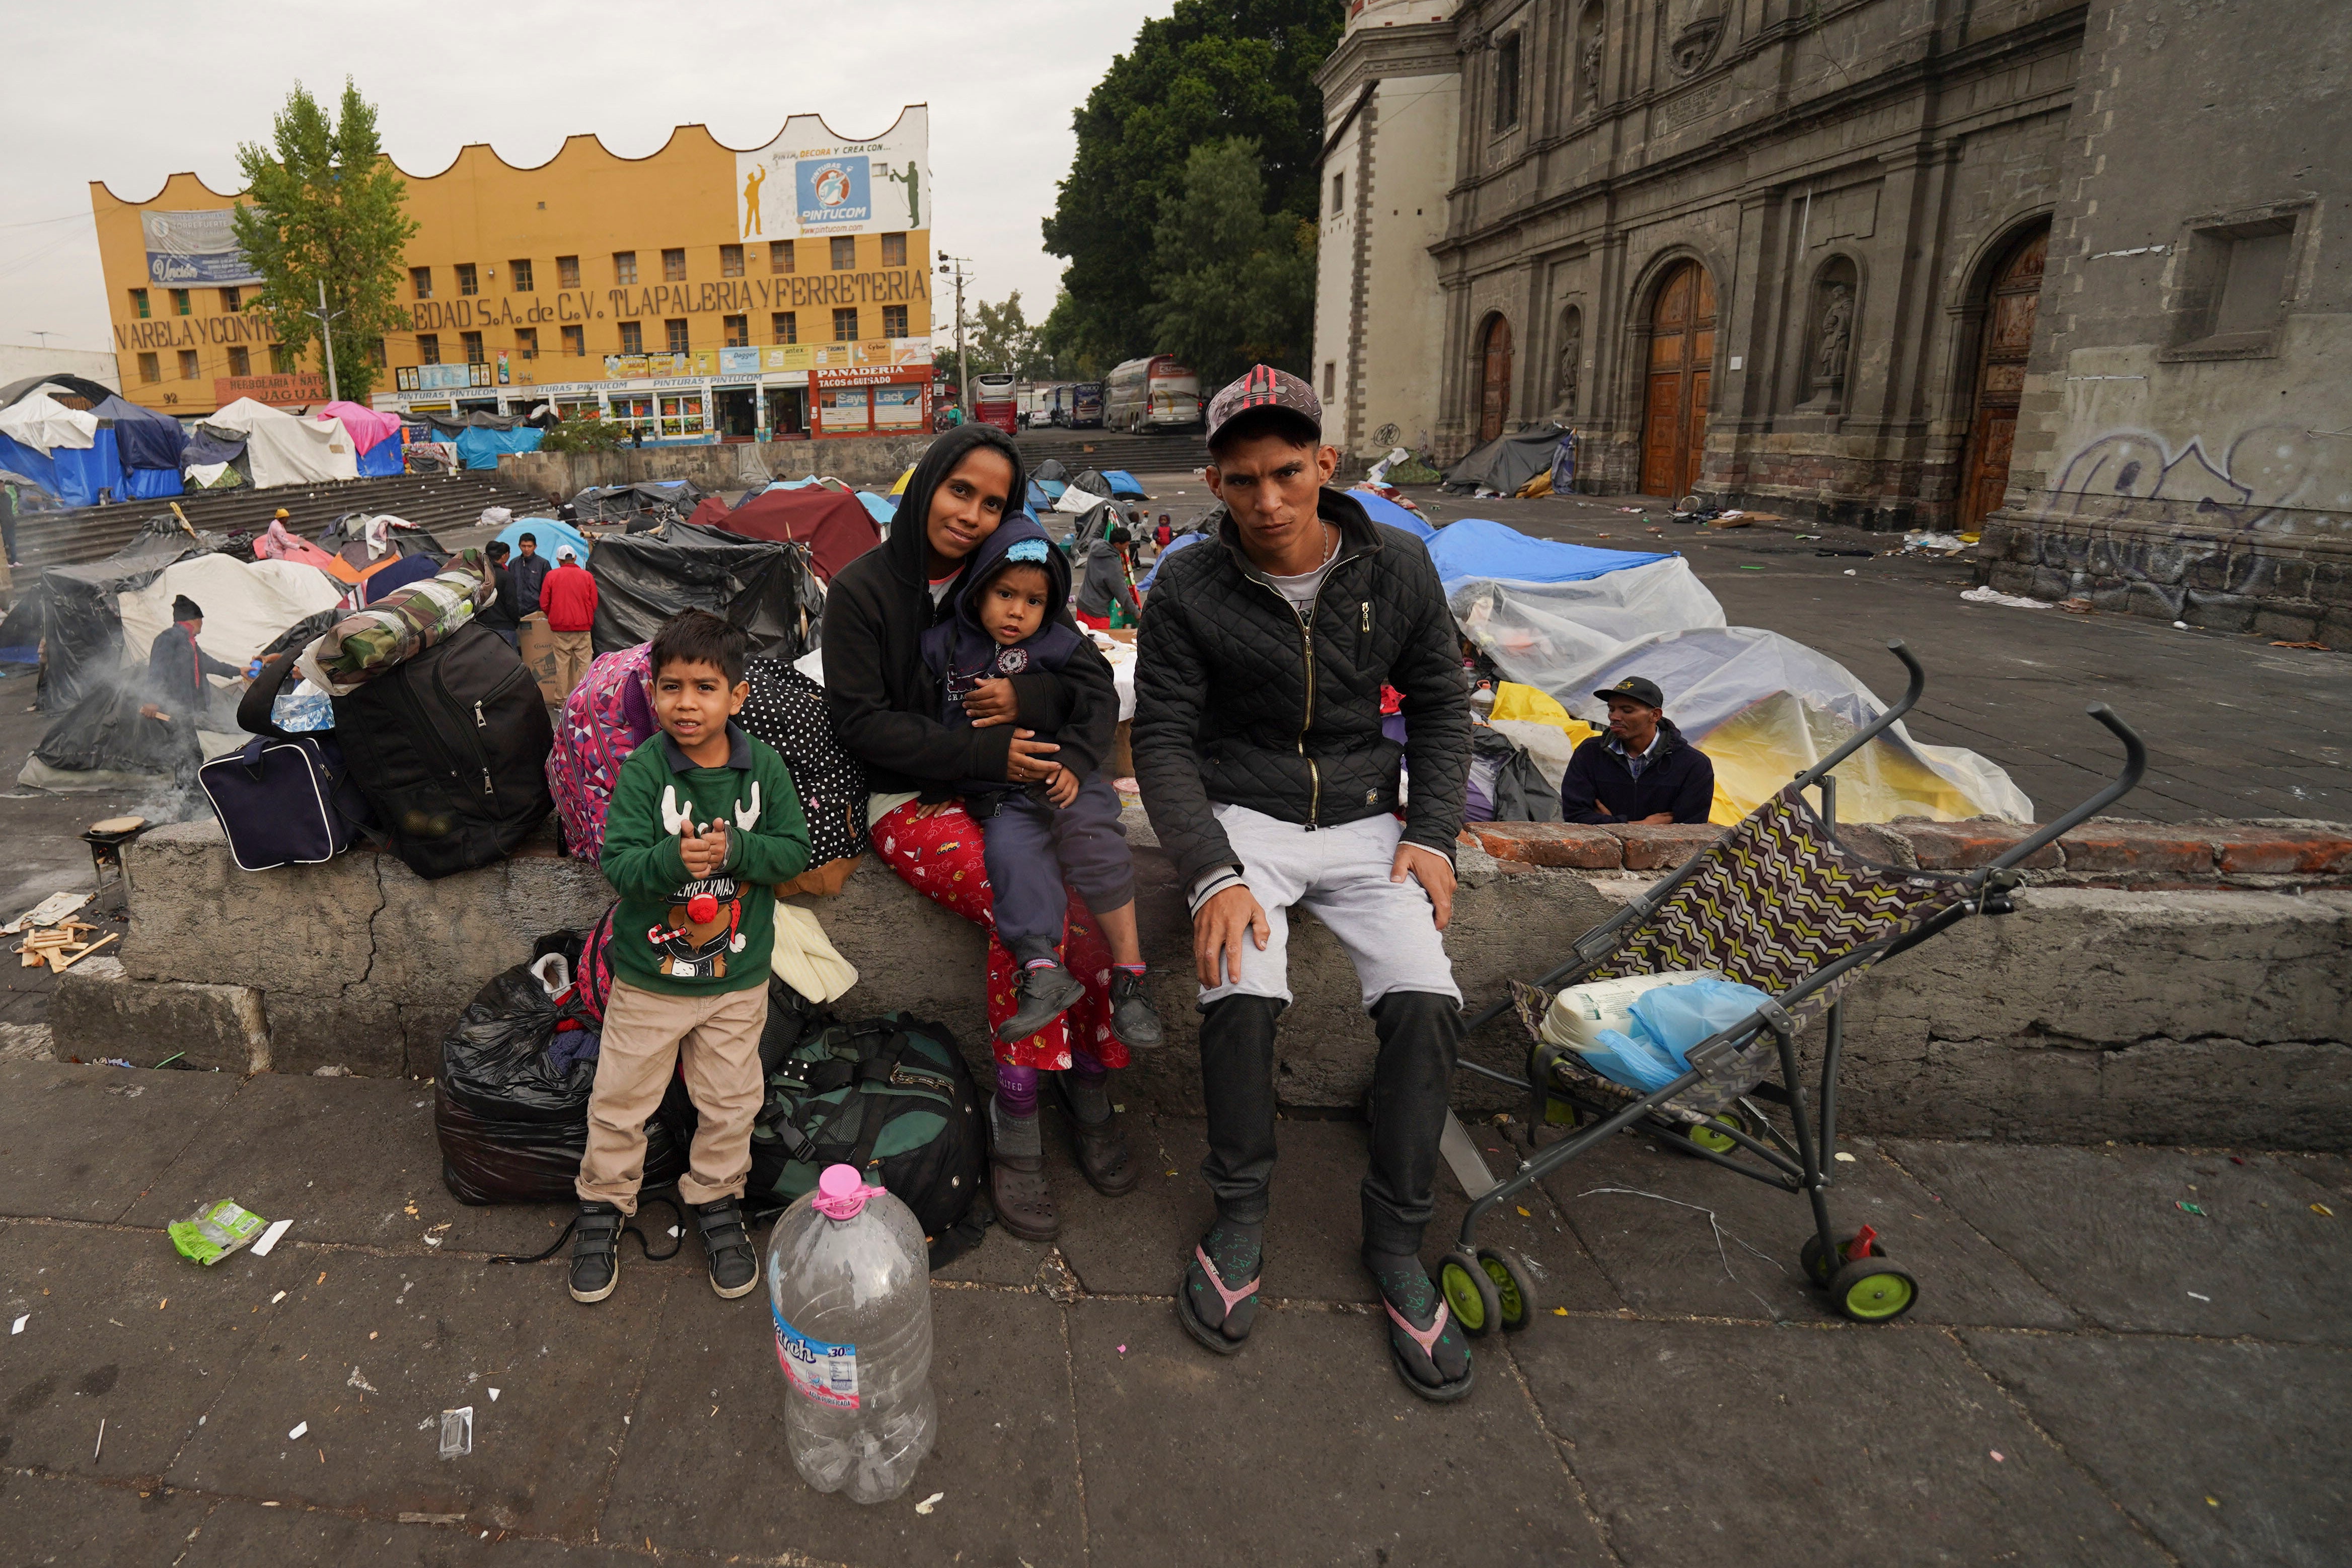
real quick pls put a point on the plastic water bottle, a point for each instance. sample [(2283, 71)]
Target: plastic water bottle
[(849, 1283)]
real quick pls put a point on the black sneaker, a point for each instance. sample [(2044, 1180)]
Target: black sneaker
[(596, 1251), (1133, 1018), (733, 1268), (1046, 993)]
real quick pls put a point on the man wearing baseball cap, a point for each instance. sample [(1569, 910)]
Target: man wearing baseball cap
[(1258, 745), (1639, 770)]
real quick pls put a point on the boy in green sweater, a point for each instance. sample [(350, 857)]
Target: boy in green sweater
[(704, 824)]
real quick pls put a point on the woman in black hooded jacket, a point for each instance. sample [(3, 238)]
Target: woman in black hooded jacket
[(885, 705)]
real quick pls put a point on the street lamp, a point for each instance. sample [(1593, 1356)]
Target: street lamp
[(953, 266)]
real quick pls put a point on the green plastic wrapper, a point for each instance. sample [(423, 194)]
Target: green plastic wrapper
[(214, 1231)]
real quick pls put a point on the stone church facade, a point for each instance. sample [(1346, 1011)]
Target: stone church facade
[(1783, 254)]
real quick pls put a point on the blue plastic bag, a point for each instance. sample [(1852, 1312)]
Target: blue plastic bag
[(1668, 1023)]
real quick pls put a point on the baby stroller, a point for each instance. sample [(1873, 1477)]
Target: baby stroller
[(1778, 904)]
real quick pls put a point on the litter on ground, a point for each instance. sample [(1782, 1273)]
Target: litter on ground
[(1990, 596)]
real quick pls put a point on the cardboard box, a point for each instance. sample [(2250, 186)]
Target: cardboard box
[(1121, 763), (536, 646)]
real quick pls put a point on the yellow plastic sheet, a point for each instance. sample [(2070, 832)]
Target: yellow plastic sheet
[(1759, 748)]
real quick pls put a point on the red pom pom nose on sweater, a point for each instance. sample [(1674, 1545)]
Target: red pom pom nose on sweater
[(702, 908)]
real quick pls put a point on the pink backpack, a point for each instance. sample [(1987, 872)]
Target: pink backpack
[(605, 718)]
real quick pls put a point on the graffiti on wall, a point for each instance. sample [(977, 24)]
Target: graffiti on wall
[(2260, 474)]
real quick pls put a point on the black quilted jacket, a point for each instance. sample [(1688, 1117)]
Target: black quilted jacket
[(1236, 704)]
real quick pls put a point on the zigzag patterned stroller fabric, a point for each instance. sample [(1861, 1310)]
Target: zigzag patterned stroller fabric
[(1776, 900)]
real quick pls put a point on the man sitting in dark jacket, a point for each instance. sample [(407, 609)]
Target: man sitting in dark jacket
[(1642, 770), (1258, 747)]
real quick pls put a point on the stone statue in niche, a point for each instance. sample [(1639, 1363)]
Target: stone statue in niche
[(1587, 58), (1837, 331), (1572, 357)]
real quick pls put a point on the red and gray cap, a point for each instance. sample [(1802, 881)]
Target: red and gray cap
[(1263, 386)]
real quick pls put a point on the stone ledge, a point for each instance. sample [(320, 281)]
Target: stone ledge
[(2103, 852)]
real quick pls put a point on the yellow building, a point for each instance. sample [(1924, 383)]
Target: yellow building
[(699, 292)]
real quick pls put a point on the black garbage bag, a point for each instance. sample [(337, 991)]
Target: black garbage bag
[(512, 1119), (644, 578)]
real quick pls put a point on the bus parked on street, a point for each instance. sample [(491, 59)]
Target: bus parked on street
[(1153, 393), (1086, 405), (995, 399)]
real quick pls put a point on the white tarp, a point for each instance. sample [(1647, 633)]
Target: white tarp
[(246, 603), (41, 422), (283, 449), (1542, 628)]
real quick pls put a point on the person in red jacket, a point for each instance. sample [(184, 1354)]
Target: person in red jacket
[(569, 597)]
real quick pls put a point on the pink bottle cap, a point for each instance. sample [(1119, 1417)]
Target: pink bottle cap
[(840, 1192)]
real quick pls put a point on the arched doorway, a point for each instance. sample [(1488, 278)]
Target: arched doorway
[(1495, 380), (2008, 338), (1682, 360)]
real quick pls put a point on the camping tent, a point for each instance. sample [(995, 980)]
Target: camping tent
[(644, 578), (1475, 547), (1123, 485), (66, 452), (150, 445), (547, 535), (1507, 461), (479, 447), (374, 432), (837, 528), (614, 503), (286, 449)]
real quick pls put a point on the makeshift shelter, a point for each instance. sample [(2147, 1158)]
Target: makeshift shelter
[(482, 448), (1476, 547), (1051, 468), (284, 449), (374, 432), (63, 387), (835, 527), (69, 453), (1123, 485), (150, 445), (881, 509), (1093, 482), (642, 498), (900, 488), (1506, 463), (1381, 509), (548, 536), (362, 544), (644, 578)]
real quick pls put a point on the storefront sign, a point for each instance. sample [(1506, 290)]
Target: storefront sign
[(299, 387)]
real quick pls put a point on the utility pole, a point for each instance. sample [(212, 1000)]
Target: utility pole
[(963, 357), (327, 333)]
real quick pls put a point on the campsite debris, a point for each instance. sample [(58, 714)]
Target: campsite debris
[(1918, 543), (2314, 647), (50, 911), (2187, 1208), (1988, 595), (102, 1441), (2180, 626), (1998, 1457), (2077, 605), (2195, 1297), (278, 1228), (932, 1501), (19, 1326), (64, 959), (1866, 554), (299, 1427), (457, 1432), (2322, 1210), (362, 1383), (214, 1231)]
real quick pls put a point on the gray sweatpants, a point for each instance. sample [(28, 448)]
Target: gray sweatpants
[(1341, 875)]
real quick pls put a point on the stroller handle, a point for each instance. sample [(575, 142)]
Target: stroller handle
[(1878, 726), (2134, 766)]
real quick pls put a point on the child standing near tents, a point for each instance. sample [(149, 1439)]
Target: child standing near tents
[(704, 825)]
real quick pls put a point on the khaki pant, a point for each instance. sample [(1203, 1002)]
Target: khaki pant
[(645, 1036), (573, 653)]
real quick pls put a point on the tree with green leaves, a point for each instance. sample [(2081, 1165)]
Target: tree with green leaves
[(323, 204), (1213, 70), (1003, 339), (1235, 285)]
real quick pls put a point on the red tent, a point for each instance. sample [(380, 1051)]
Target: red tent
[(835, 526)]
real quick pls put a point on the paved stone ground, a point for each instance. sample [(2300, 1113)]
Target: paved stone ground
[(2095, 1375)]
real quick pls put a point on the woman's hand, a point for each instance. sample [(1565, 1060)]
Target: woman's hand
[(991, 702), (1029, 760)]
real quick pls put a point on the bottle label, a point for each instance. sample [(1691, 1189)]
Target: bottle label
[(825, 1372)]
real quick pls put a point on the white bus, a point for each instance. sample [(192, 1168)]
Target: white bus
[(1151, 394)]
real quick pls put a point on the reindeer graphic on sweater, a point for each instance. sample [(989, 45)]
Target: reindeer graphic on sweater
[(680, 934)]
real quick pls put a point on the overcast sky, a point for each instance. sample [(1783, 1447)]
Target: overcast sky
[(161, 88)]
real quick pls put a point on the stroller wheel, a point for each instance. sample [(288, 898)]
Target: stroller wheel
[(1820, 1269), (1470, 1294), (1709, 1134), (1874, 1289), (1515, 1290)]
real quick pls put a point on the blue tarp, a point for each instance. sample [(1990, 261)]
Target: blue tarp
[(73, 475), (1381, 509), (1051, 489), (386, 456), (479, 448), (549, 534), (1478, 547), (881, 509), (1039, 499), (1122, 485), (148, 483)]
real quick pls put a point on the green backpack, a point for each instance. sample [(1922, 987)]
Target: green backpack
[(890, 1095)]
